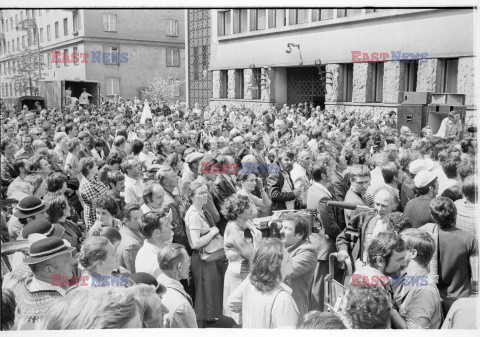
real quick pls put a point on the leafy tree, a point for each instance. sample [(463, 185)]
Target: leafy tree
[(25, 71), (162, 88)]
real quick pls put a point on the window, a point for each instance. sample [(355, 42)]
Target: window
[(223, 83), (16, 19), (410, 76), (57, 33), (347, 82), (256, 83), (239, 82), (369, 10), (41, 34), (277, 18), (77, 25), (239, 20), (23, 41), (449, 69), (298, 16), (224, 23), (258, 19), (11, 23), (112, 86), (113, 54), (173, 58), (49, 60), (8, 47), (57, 64), (75, 52), (65, 57), (33, 12), (48, 33), (110, 22), (65, 26), (341, 13), (34, 33), (377, 82), (40, 12), (322, 14), (21, 15), (42, 61), (18, 43), (172, 28)]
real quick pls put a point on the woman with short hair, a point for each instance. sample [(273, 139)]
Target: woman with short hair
[(239, 246), (207, 275), (58, 212), (263, 299)]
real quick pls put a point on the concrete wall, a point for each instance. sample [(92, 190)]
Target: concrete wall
[(440, 33), (136, 24), (143, 64)]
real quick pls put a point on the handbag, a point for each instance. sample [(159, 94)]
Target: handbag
[(214, 250)]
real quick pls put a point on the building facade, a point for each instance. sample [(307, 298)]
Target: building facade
[(264, 57), (138, 43)]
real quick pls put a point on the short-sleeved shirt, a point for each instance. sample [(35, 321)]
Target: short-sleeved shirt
[(194, 220), (455, 248)]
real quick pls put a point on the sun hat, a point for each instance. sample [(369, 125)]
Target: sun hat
[(46, 249), (29, 206)]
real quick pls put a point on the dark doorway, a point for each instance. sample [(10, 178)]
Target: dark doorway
[(304, 85)]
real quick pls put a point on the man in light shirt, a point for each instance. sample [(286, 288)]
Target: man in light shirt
[(134, 185), (300, 175)]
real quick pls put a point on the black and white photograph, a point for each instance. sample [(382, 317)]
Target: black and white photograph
[(277, 166)]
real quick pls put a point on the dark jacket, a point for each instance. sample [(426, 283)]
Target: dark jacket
[(274, 188)]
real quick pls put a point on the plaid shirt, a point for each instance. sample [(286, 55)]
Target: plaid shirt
[(89, 191)]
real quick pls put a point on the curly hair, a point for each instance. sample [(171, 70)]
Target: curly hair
[(72, 144), (320, 320), (266, 265), (92, 251), (107, 203), (235, 205), (366, 307), (397, 222), (57, 208), (137, 146)]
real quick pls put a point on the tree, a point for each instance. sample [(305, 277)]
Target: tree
[(25, 70), (163, 89)]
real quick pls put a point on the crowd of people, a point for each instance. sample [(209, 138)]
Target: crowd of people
[(138, 215)]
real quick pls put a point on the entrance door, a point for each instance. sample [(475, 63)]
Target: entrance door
[(304, 85)]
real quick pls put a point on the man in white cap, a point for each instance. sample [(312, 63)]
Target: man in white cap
[(407, 192), (417, 209)]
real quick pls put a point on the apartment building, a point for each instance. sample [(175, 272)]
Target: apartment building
[(139, 43)]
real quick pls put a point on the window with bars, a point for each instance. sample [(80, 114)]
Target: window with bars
[(322, 14), (239, 84), (297, 16), (449, 75), (57, 30), (347, 82), (110, 22), (256, 85), (239, 20), (224, 23), (258, 19), (376, 94), (65, 26), (112, 86), (172, 28), (173, 58), (223, 83), (410, 71)]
